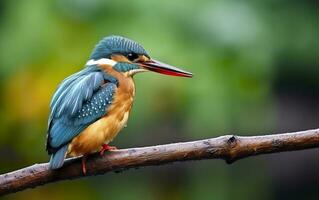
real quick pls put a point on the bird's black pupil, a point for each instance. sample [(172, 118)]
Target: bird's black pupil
[(132, 56)]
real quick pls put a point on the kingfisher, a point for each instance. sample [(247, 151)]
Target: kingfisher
[(90, 107)]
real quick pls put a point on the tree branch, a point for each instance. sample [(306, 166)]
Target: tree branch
[(228, 147)]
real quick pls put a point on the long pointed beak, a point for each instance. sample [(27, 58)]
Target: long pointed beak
[(163, 68)]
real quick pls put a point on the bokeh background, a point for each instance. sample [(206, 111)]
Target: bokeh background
[(256, 66)]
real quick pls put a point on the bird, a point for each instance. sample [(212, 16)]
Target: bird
[(90, 107)]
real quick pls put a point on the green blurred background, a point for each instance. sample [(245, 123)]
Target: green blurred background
[(256, 66)]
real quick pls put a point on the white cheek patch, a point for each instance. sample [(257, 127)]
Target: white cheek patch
[(135, 71), (102, 61)]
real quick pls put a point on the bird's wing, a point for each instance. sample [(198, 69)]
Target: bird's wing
[(79, 101)]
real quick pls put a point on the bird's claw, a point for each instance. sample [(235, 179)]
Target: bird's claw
[(106, 147)]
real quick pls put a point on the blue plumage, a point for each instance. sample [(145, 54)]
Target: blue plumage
[(57, 159), (125, 67), (79, 101), (85, 97), (116, 44)]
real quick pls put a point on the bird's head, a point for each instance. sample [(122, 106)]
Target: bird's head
[(129, 57)]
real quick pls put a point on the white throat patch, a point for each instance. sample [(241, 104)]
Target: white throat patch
[(102, 61)]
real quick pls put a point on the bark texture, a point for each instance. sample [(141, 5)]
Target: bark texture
[(228, 147)]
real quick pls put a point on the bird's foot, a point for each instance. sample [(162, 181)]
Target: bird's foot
[(84, 165), (106, 147)]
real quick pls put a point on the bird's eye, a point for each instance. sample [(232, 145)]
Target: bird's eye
[(132, 56)]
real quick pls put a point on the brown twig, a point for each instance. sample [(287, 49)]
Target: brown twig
[(228, 147)]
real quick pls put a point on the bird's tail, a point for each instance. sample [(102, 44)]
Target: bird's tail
[(57, 159)]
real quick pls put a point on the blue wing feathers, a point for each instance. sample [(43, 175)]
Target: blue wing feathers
[(79, 101), (61, 133), (65, 128), (97, 106), (72, 95)]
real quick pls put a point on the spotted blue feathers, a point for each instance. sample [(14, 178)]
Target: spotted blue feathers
[(116, 44), (70, 95), (79, 101), (97, 105)]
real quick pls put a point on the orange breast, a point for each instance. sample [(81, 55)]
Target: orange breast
[(105, 129)]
